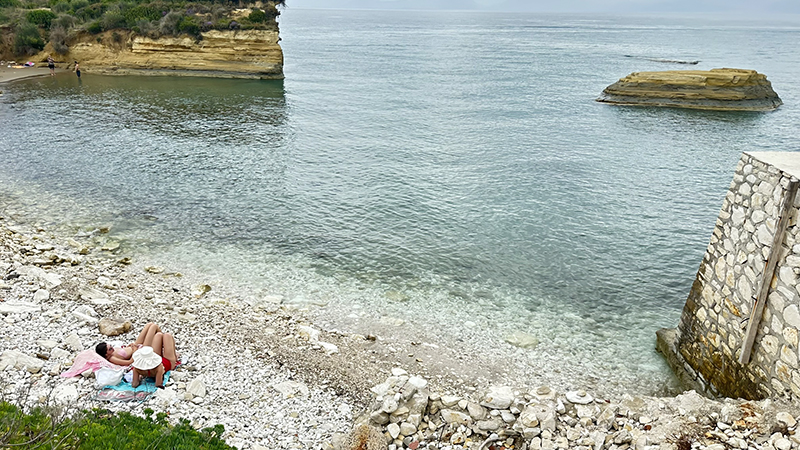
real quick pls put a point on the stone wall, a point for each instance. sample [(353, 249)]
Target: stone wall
[(706, 346)]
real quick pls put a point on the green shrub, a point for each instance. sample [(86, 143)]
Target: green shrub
[(9, 3), (61, 7), (75, 5), (257, 16), (188, 25), (64, 21), (94, 27), (136, 13), (90, 12), (112, 20), (28, 41), (41, 17)]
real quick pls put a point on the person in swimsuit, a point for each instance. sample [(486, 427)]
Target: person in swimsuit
[(123, 356), (156, 360), (77, 69), (51, 65)]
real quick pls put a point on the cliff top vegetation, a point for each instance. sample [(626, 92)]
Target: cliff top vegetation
[(26, 26)]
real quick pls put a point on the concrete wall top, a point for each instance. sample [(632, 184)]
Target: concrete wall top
[(788, 162)]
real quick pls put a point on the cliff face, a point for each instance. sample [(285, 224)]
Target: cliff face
[(715, 89), (222, 54)]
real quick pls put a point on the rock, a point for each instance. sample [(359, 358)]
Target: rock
[(291, 388), (476, 411), (715, 89), (58, 353), (498, 397), (197, 387), (579, 397), (113, 327), (786, 419), (200, 290), (407, 429), (86, 314), (328, 347), (47, 344), (20, 361), (49, 279), (307, 332), (93, 295), (522, 340), (18, 308), (450, 416), (528, 417), (394, 430), (41, 295), (65, 394), (73, 341)]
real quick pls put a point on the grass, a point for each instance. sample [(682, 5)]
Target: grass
[(98, 429)]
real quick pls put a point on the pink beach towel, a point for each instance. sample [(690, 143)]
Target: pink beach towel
[(88, 359)]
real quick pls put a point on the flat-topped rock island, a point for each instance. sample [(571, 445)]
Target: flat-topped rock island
[(715, 89)]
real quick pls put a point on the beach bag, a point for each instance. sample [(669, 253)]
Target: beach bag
[(108, 377)]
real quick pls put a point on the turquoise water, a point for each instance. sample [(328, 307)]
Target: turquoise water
[(444, 168)]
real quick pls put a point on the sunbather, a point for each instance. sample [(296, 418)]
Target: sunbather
[(156, 360), (123, 356)]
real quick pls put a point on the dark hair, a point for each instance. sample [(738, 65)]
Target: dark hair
[(101, 349)]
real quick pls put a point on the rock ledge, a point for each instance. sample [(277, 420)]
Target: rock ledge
[(715, 89)]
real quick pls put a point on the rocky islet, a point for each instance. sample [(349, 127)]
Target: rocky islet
[(715, 89)]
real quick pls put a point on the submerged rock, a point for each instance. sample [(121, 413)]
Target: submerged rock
[(715, 89)]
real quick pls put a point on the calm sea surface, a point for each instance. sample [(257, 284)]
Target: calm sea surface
[(449, 167)]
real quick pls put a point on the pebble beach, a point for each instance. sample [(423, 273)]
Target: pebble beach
[(276, 379)]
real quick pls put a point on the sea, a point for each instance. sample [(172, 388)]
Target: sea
[(441, 171)]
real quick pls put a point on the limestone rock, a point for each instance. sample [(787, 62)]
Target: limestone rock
[(197, 387), (18, 360), (18, 307), (113, 327), (715, 89)]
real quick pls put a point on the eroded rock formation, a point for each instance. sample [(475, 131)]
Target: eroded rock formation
[(715, 89), (222, 54)]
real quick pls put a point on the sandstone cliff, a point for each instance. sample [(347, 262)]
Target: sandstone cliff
[(221, 54), (715, 89)]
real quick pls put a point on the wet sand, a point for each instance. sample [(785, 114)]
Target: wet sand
[(8, 74)]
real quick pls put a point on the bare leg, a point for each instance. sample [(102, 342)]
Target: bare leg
[(169, 349), (157, 343), (146, 336)]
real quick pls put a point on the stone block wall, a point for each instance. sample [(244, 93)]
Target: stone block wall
[(705, 348)]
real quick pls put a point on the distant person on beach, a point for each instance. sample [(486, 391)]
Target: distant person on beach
[(77, 69), (51, 65), (123, 356)]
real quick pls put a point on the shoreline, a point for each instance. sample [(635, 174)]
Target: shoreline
[(8, 74), (270, 375)]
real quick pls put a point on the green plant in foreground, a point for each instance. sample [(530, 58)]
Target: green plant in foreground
[(100, 430)]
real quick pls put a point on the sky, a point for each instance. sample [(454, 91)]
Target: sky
[(598, 6)]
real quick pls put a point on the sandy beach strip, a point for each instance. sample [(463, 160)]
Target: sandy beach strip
[(8, 74)]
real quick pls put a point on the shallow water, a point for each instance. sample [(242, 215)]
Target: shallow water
[(444, 168)]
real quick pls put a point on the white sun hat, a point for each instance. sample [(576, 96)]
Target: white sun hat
[(145, 359)]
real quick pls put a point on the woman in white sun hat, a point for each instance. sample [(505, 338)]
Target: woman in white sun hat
[(155, 361)]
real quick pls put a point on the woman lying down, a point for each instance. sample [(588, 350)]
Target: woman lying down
[(152, 355)]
